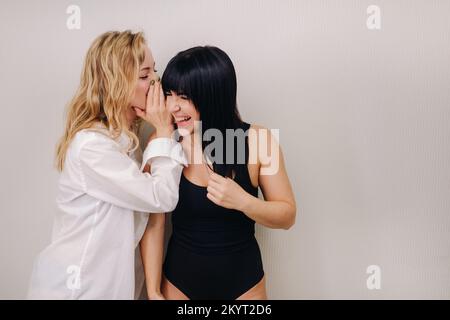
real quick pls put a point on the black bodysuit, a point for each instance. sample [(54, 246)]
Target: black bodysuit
[(212, 253)]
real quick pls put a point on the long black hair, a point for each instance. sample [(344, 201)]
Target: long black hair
[(206, 76)]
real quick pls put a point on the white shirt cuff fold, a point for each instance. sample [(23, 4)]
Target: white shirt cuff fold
[(164, 147)]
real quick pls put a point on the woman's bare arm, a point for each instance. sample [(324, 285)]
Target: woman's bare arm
[(278, 209), (152, 251)]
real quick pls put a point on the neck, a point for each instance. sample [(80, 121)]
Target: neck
[(192, 146)]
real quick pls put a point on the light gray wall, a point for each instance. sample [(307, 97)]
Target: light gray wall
[(363, 118)]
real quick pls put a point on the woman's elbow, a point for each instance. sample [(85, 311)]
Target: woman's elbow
[(291, 217), (170, 203), (156, 221), (162, 201)]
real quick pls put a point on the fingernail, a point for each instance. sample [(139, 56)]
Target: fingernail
[(152, 82)]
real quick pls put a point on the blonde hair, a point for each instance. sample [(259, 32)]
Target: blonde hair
[(107, 83)]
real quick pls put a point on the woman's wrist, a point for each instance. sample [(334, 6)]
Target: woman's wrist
[(246, 203), (164, 132), (154, 294)]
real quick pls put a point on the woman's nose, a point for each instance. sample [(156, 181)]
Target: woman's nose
[(174, 108)]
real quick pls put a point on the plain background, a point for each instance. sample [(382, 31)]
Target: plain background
[(363, 118)]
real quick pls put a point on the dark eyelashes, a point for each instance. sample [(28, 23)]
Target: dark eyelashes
[(146, 77), (180, 95)]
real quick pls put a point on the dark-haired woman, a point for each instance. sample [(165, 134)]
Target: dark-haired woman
[(213, 253)]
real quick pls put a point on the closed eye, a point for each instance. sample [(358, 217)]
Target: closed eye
[(182, 96)]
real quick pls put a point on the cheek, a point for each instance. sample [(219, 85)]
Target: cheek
[(140, 92), (189, 109), (194, 113), (142, 88), (170, 104)]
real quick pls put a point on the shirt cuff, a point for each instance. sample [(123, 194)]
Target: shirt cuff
[(164, 147)]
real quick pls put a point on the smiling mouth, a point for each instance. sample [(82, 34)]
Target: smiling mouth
[(183, 120)]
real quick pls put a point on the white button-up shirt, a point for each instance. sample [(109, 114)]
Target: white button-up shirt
[(104, 200)]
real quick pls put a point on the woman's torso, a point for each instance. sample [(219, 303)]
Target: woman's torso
[(92, 253), (201, 225)]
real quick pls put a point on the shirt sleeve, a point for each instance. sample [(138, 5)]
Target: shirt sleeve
[(108, 174)]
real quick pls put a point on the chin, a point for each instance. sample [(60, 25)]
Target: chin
[(185, 131), (131, 118)]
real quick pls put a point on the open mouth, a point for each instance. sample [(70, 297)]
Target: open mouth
[(182, 120)]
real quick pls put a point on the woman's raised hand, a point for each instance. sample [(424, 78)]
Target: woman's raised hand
[(156, 112)]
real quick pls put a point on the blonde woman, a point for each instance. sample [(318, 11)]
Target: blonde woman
[(103, 195)]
